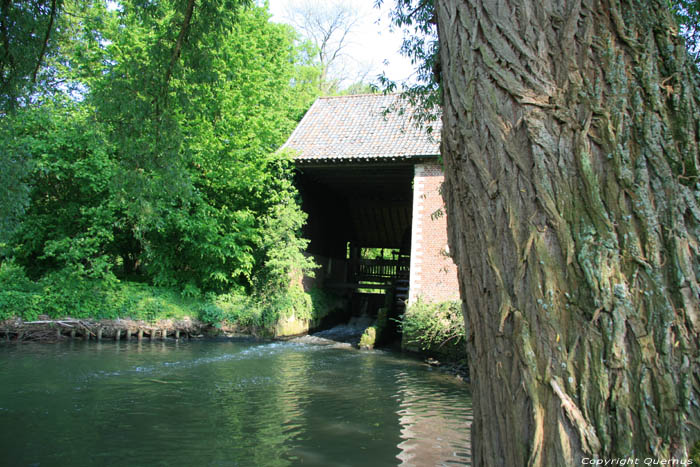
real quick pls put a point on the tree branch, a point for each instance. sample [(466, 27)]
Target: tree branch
[(45, 45), (180, 39), (5, 34), (421, 5)]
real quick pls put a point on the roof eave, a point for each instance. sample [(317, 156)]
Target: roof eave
[(334, 160)]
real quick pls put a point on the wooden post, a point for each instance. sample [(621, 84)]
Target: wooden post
[(163, 333), (139, 335), (86, 335), (58, 333), (118, 334), (177, 334), (128, 334), (99, 334), (72, 334)]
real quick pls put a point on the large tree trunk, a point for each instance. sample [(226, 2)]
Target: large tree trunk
[(570, 139)]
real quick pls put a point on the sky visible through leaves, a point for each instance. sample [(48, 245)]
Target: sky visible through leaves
[(373, 45)]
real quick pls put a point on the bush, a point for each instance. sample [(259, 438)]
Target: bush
[(437, 327), (259, 311), (231, 308), (19, 296)]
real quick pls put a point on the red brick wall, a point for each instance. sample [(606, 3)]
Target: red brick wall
[(433, 274)]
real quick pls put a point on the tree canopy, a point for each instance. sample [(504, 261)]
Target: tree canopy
[(139, 140)]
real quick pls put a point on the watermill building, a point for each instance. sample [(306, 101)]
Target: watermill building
[(370, 183)]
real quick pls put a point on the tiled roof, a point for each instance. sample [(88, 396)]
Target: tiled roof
[(357, 127)]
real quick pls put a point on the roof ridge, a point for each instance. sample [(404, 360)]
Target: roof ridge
[(360, 95), (350, 129)]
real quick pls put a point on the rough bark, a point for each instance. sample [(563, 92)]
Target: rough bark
[(570, 142)]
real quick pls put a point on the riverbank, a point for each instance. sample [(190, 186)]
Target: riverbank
[(45, 329), (64, 304)]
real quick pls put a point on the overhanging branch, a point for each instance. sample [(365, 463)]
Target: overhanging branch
[(45, 44), (180, 39)]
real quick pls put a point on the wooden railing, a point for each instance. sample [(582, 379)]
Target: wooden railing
[(378, 270)]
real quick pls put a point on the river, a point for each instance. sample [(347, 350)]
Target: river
[(226, 403)]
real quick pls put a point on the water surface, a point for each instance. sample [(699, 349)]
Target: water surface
[(226, 403)]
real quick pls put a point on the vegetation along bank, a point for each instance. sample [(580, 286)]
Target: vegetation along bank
[(140, 168)]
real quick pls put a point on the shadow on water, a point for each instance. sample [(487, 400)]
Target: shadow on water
[(226, 403)]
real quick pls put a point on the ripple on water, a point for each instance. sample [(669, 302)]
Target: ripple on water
[(213, 403)]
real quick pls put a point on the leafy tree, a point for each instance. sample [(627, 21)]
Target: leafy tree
[(14, 194), (242, 112), (27, 37), (69, 219), (157, 159), (41, 41)]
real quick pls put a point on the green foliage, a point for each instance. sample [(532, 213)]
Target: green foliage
[(155, 161), (14, 193), (323, 302), (69, 219), (282, 248), (19, 296), (227, 213), (229, 308), (68, 293), (416, 18), (378, 253), (434, 326), (294, 302), (687, 13), (26, 37), (259, 313)]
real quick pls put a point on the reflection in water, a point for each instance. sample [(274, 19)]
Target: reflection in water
[(225, 403), (433, 426)]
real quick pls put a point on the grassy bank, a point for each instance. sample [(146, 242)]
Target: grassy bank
[(65, 295)]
